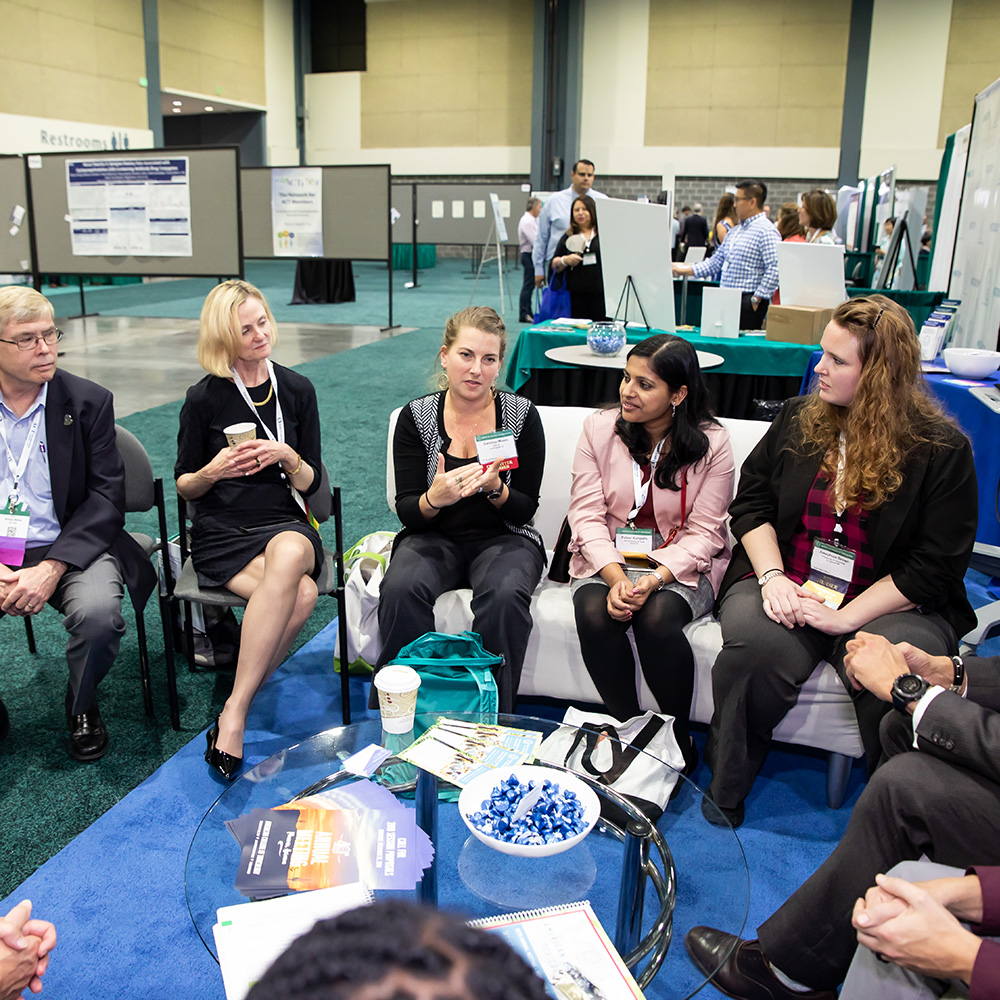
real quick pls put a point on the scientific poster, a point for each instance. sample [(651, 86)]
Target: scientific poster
[(297, 211), (137, 207)]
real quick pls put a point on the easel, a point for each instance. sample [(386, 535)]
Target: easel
[(627, 290), (492, 250), (892, 253)]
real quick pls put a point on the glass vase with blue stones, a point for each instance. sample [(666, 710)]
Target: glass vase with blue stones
[(606, 338)]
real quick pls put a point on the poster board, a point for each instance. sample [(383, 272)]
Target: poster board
[(635, 240), (15, 247), (214, 187), (457, 214), (356, 202), (975, 275), (946, 229)]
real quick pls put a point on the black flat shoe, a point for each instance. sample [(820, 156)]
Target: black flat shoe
[(221, 762), (718, 815)]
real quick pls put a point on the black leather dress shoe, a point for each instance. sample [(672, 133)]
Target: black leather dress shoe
[(4, 722), (716, 815), (740, 969), (88, 739)]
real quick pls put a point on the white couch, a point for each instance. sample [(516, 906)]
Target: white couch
[(823, 717)]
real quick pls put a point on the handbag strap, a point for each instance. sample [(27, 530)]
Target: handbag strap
[(621, 754)]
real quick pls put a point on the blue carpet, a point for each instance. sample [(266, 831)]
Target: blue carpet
[(116, 893)]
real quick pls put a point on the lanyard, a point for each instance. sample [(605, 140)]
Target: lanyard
[(279, 418), (17, 468), (641, 489)]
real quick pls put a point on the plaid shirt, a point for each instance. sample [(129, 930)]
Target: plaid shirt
[(819, 521), (747, 258)]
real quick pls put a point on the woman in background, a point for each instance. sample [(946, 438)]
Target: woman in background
[(661, 463), (789, 227), (725, 218), (251, 533), (818, 216), (465, 525), (578, 255)]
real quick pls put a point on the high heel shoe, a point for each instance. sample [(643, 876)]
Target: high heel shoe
[(223, 763)]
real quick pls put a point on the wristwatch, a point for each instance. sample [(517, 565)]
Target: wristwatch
[(959, 674), (907, 688), (755, 301), (495, 494)]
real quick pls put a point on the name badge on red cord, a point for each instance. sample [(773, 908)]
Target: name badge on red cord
[(831, 570)]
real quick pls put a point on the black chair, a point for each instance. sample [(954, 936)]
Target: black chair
[(143, 491), (186, 589)]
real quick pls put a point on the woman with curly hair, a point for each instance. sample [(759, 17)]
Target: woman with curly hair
[(857, 510)]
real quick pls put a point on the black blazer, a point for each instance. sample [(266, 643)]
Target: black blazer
[(88, 483), (922, 537)]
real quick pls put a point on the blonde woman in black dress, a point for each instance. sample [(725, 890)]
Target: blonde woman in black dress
[(251, 531)]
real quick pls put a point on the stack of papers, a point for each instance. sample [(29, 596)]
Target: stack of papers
[(459, 751), (250, 936)]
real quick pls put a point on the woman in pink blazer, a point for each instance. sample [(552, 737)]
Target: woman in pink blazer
[(652, 480)]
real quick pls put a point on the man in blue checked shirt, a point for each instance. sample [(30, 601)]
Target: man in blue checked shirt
[(747, 258)]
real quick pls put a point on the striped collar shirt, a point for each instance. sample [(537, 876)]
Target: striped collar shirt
[(747, 258)]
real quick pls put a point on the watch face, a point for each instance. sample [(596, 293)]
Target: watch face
[(910, 684)]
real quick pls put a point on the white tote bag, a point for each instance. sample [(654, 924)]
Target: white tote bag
[(627, 756), (365, 562)]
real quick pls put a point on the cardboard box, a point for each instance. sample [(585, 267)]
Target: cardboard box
[(797, 324)]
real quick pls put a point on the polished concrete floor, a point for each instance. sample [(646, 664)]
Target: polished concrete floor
[(146, 362)]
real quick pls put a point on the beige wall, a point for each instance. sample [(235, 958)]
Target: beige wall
[(739, 73), (213, 47), (75, 60), (973, 61), (447, 73)]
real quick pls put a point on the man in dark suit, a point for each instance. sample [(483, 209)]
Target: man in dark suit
[(937, 794), (694, 231), (62, 487)]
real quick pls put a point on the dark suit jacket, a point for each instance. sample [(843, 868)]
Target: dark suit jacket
[(694, 230), (88, 482), (966, 732), (922, 537)]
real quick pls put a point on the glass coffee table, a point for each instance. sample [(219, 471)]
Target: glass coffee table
[(649, 883)]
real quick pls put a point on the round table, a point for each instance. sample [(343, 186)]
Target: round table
[(581, 354), (688, 871)]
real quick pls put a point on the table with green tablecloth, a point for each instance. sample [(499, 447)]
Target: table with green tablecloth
[(753, 368)]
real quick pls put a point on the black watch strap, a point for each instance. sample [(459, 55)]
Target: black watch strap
[(959, 673), (906, 689)]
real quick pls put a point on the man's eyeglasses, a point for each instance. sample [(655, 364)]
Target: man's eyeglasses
[(29, 342)]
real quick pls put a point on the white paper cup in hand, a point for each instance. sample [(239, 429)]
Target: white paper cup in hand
[(235, 433), (397, 696)]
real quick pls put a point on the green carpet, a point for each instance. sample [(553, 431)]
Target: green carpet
[(54, 797)]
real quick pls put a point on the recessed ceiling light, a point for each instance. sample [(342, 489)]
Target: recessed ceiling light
[(177, 104), (208, 107), (176, 111)]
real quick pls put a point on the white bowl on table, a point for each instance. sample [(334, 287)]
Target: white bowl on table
[(971, 362), (479, 789)]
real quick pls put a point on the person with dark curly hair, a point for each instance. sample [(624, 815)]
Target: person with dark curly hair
[(857, 510), (397, 950)]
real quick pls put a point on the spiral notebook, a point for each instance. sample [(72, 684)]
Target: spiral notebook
[(569, 949)]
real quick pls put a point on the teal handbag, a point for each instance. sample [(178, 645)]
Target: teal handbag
[(456, 673)]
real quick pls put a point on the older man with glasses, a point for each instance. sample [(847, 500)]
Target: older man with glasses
[(62, 490)]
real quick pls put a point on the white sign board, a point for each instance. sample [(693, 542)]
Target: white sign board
[(137, 207), (297, 211), (720, 312), (635, 242), (811, 274), (498, 216)]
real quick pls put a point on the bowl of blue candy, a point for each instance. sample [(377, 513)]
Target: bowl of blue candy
[(561, 811), (606, 338)]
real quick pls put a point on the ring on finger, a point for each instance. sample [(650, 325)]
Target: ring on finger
[(458, 479)]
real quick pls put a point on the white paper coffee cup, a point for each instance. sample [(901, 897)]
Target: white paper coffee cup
[(235, 433), (397, 696)]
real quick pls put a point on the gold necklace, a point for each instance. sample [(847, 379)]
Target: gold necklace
[(270, 392)]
